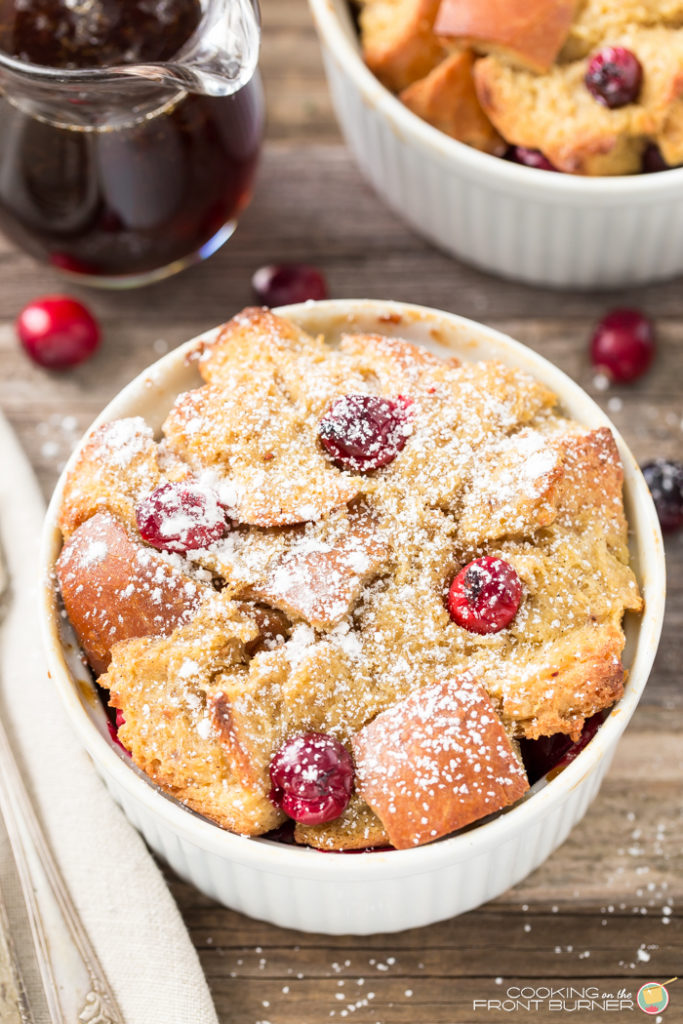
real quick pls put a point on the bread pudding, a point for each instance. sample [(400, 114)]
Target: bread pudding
[(595, 86), (343, 584)]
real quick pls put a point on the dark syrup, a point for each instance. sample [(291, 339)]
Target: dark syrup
[(135, 198)]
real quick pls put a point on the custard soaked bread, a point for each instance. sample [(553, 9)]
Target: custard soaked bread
[(590, 84), (556, 113), (359, 576)]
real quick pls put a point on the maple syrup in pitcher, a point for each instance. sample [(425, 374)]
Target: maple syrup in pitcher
[(155, 178)]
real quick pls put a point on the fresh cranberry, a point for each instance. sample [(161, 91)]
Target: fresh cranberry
[(181, 517), (113, 730), (614, 76), (664, 477), (280, 284), (365, 432), (485, 595), (530, 158), (312, 777), (653, 161), (57, 332), (623, 344)]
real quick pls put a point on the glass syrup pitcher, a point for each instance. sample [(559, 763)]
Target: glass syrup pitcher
[(129, 131)]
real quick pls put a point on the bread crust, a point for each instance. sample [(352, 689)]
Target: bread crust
[(399, 44), (115, 588), (437, 761), (160, 684), (528, 32), (447, 99), (115, 467)]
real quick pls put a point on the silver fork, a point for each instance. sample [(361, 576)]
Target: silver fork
[(76, 988)]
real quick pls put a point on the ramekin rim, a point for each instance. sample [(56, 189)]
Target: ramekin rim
[(285, 859), (638, 187)]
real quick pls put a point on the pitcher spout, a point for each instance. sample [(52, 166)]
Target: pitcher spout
[(218, 59)]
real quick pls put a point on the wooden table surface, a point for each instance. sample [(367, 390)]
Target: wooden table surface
[(605, 909)]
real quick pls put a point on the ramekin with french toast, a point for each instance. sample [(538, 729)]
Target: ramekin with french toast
[(432, 93), (353, 577)]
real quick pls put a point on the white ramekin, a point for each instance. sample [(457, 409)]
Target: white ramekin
[(535, 226), (382, 891)]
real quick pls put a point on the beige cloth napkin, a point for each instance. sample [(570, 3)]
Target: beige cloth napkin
[(120, 893)]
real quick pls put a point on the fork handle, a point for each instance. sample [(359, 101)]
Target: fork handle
[(76, 988)]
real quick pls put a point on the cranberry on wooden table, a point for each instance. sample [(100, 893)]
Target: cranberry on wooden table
[(623, 344), (664, 477), (614, 76), (181, 517), (57, 332), (365, 432), (485, 595), (312, 777), (281, 284)]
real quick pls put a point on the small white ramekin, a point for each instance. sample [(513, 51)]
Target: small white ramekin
[(381, 891), (547, 229)]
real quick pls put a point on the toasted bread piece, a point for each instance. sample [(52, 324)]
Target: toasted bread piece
[(251, 437), (357, 828), (303, 685), (515, 490), (319, 581), (258, 338), (562, 651), (600, 20), (453, 418), (242, 557), (435, 762), (591, 490), (447, 99), (556, 114), (115, 588), (399, 45), (160, 685), (670, 137), (268, 384), (529, 32), (258, 344), (397, 364), (569, 680), (115, 468), (246, 708)]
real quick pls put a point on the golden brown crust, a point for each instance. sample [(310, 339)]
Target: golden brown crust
[(530, 32), (556, 113), (320, 582), (283, 348), (117, 464), (357, 828), (115, 588), (251, 436), (447, 99), (160, 685), (575, 678), (399, 45), (435, 762), (599, 20)]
